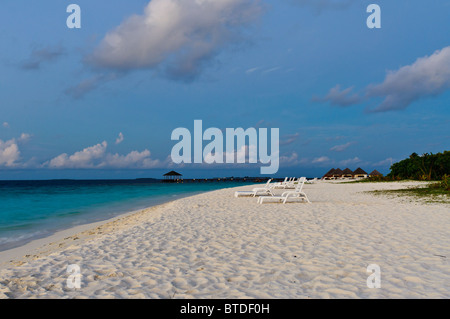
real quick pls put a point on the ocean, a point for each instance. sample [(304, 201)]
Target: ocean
[(35, 209)]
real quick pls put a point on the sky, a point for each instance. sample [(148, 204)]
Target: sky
[(101, 101)]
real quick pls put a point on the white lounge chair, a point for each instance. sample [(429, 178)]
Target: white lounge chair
[(295, 194), (311, 181), (281, 184), (286, 183), (293, 183), (257, 191)]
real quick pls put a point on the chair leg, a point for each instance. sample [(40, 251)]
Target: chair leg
[(307, 200)]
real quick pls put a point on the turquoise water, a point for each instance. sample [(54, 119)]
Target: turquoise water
[(36, 209)]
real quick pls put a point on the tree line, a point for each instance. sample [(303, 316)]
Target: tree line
[(426, 167)]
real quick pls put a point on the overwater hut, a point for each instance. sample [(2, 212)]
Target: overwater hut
[(172, 176)]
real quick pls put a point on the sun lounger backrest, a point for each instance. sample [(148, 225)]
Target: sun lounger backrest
[(300, 184)]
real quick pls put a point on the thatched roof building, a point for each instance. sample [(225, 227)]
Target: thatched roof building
[(375, 173), (338, 173), (329, 174), (347, 172), (359, 172), (172, 176)]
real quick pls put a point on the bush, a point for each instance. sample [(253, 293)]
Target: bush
[(379, 178), (445, 183), (426, 167)]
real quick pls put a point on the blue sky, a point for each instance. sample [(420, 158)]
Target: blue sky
[(343, 95)]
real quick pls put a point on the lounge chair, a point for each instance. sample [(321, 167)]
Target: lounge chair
[(295, 194), (311, 181), (286, 183), (280, 184), (266, 190), (293, 184)]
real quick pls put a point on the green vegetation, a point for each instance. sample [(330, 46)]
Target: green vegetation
[(444, 184), (378, 178), (427, 167), (434, 168), (431, 193)]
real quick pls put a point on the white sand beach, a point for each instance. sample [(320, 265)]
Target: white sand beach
[(214, 245)]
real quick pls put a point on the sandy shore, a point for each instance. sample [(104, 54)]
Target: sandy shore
[(214, 245)]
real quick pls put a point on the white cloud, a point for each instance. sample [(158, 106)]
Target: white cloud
[(178, 36), (9, 153), (271, 70), (427, 76), (321, 160), (289, 139), (246, 154), (341, 148), (292, 160), (81, 159), (133, 159), (249, 71), (24, 137), (120, 138), (350, 161), (42, 55), (263, 124), (386, 162), (90, 84), (5, 124), (97, 157), (339, 97)]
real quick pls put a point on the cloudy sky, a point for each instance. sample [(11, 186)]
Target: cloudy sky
[(102, 101)]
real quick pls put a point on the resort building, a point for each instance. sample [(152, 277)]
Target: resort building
[(360, 173), (329, 174), (375, 173), (338, 173), (347, 173)]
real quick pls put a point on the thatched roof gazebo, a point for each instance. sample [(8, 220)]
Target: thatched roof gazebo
[(375, 173), (359, 172), (347, 173), (338, 173), (172, 176), (329, 174)]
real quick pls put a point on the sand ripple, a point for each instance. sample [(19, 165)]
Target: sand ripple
[(214, 245)]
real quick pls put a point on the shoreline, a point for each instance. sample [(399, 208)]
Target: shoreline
[(31, 247), (99, 214), (213, 245), (34, 246)]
